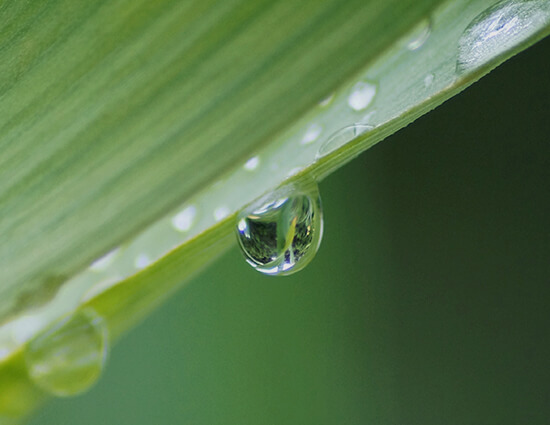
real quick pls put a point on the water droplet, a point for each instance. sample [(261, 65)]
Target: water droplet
[(142, 261), (102, 263), (252, 163), (361, 95), (183, 221), (312, 133), (428, 80), (419, 35), (221, 212), (326, 101), (280, 233), (342, 137), (68, 358), (498, 29)]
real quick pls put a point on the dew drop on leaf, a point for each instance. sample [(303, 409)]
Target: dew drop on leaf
[(327, 100), (280, 233), (252, 163), (312, 134), (499, 28), (420, 34), (362, 95), (183, 221), (67, 358)]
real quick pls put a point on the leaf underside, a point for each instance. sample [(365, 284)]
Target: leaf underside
[(115, 115)]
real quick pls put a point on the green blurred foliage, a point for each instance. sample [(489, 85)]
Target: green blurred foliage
[(427, 303)]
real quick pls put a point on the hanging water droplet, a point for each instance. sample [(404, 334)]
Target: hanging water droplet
[(341, 137), (498, 29), (68, 358), (419, 35), (280, 233), (361, 95)]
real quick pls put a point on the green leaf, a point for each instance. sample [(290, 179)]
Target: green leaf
[(117, 115)]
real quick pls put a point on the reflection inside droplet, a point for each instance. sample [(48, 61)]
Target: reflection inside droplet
[(342, 137), (500, 28), (280, 233), (67, 359)]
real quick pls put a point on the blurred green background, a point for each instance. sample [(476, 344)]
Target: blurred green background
[(428, 302)]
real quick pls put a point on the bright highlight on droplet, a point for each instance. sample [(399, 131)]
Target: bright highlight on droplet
[(500, 28), (183, 221), (142, 261), (220, 213), (281, 232), (67, 359), (252, 163), (361, 95), (342, 137), (312, 134)]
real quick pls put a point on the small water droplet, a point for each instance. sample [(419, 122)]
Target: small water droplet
[(419, 35), (102, 263), (280, 233), (498, 29), (67, 359), (142, 261), (252, 163), (428, 80), (342, 137), (221, 212), (361, 95), (183, 221), (312, 133), (326, 101)]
